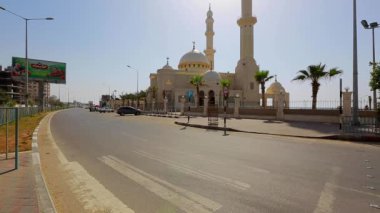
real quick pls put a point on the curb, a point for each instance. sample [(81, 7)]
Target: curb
[(45, 201), (330, 137), (163, 115)]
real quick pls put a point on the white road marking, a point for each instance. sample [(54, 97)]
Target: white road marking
[(35, 145), (356, 191), (91, 193), (183, 199), (200, 157), (197, 173), (35, 158), (60, 156), (327, 197)]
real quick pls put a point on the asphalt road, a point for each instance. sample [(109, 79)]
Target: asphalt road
[(152, 165)]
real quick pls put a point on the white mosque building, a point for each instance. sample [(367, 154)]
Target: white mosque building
[(174, 84)]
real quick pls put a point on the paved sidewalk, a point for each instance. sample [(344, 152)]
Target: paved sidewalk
[(24, 189), (18, 188), (270, 127)]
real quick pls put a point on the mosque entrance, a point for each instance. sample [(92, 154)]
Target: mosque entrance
[(201, 98), (211, 96)]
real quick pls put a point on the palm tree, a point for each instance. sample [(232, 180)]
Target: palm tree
[(225, 83), (197, 81), (262, 77), (152, 90), (314, 73)]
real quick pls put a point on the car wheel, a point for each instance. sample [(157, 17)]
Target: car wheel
[(121, 114)]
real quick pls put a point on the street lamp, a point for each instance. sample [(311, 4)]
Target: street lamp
[(355, 68), (26, 47), (137, 72), (372, 26)]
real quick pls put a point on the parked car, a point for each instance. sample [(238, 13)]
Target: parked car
[(105, 109), (128, 110)]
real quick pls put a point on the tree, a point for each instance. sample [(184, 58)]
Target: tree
[(197, 81), (225, 83), (123, 97), (375, 78), (262, 77), (54, 101), (314, 73), (153, 91)]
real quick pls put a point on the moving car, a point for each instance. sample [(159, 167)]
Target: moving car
[(105, 109), (128, 110)]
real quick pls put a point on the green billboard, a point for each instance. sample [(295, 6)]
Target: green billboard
[(39, 70)]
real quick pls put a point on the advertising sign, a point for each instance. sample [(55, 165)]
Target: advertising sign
[(39, 70)]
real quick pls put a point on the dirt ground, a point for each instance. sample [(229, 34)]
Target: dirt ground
[(26, 128)]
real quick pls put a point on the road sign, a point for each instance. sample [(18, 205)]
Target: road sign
[(225, 92)]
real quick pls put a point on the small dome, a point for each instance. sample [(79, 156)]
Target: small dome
[(275, 88), (167, 66), (194, 57), (211, 78)]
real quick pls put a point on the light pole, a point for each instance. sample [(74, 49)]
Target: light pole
[(372, 26), (26, 49), (114, 98), (137, 72), (355, 68)]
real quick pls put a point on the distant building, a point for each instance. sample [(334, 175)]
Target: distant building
[(10, 88), (174, 84), (15, 89)]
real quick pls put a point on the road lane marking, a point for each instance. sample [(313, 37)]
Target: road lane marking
[(327, 197), (92, 194), (201, 157), (356, 191), (197, 173), (182, 198), (50, 137)]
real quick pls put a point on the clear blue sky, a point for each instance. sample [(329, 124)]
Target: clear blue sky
[(98, 38)]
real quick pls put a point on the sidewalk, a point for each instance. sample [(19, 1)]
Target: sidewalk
[(24, 189), (269, 127), (18, 187)]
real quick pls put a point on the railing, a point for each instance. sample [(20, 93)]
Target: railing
[(11, 115), (369, 125), (24, 112)]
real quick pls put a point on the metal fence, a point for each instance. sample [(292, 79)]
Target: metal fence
[(11, 115), (24, 112), (366, 125)]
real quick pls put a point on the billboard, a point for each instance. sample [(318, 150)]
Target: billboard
[(39, 70)]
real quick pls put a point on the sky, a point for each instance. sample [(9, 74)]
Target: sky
[(97, 39)]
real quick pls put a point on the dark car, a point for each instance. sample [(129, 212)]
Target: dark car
[(128, 110)]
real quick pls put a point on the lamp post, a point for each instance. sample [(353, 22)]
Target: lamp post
[(355, 68), (137, 79), (372, 26), (26, 49)]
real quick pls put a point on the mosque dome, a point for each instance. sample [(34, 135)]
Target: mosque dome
[(275, 88), (194, 56), (211, 78), (167, 66), (194, 60)]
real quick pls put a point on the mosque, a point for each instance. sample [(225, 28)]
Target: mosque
[(174, 84)]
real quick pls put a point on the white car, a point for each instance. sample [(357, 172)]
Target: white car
[(105, 109)]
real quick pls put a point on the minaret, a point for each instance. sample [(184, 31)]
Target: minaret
[(246, 23), (247, 67), (210, 38)]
